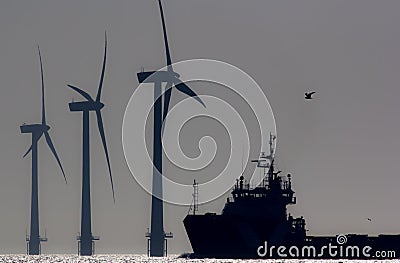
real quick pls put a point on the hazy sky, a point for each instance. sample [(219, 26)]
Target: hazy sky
[(342, 148)]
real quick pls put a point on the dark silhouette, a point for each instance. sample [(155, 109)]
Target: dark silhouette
[(255, 221), (157, 235), (308, 95), (37, 130), (86, 239)]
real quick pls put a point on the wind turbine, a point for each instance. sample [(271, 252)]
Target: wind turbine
[(37, 130), (157, 236), (86, 239)]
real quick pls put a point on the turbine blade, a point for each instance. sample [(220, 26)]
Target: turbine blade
[(53, 150), (41, 73), (182, 87), (28, 151), (103, 139), (168, 55), (83, 93), (103, 68), (167, 98)]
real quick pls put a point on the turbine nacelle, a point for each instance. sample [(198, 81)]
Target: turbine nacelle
[(34, 128), (85, 106), (157, 76)]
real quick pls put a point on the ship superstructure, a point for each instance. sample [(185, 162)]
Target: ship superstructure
[(254, 223)]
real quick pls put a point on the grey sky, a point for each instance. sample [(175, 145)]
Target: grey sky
[(342, 148)]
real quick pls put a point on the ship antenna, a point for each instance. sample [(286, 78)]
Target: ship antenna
[(242, 158), (195, 198), (272, 138), (262, 161)]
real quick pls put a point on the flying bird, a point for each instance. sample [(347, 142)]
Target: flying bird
[(369, 219), (308, 95)]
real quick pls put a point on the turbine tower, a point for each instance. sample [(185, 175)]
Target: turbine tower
[(157, 236), (86, 239), (37, 130)]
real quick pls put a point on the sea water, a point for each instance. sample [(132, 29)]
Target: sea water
[(146, 259)]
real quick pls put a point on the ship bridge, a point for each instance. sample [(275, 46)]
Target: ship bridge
[(268, 199)]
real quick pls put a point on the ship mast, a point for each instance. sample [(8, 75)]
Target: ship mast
[(195, 199), (272, 138), (262, 162)]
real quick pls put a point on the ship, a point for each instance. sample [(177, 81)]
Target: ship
[(255, 224)]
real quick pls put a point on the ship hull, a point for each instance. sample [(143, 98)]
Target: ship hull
[(221, 236)]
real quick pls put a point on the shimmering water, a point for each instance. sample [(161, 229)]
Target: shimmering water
[(145, 259)]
